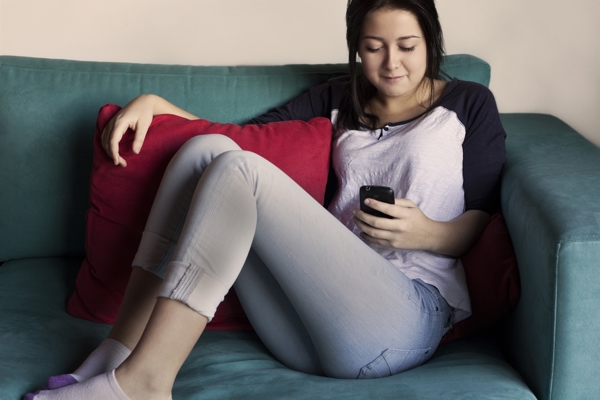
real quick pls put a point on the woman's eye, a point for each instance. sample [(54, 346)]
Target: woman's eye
[(407, 49), (371, 50)]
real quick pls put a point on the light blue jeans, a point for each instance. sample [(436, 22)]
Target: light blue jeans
[(321, 300)]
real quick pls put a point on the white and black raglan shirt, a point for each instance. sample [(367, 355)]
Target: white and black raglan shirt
[(447, 162)]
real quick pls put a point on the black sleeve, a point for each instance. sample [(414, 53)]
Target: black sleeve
[(318, 101), (484, 151)]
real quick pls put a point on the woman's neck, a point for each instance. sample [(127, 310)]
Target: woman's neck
[(404, 108), (392, 110)]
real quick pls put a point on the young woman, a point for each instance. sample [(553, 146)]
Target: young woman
[(336, 292)]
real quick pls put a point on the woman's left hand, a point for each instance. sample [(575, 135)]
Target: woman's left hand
[(409, 228)]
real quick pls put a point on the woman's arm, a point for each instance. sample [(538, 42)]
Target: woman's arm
[(136, 115), (456, 237), (318, 101), (410, 228)]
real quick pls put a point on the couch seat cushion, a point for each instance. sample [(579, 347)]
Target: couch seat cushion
[(39, 339)]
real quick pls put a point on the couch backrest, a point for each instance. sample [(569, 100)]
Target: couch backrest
[(47, 116)]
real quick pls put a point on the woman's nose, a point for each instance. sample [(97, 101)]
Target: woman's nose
[(393, 59)]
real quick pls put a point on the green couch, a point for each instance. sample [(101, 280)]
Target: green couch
[(550, 199)]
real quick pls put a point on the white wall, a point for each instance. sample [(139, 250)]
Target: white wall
[(545, 54)]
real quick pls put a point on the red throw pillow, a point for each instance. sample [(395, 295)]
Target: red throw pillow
[(121, 199), (492, 278)]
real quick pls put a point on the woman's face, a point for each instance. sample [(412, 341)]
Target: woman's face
[(393, 52)]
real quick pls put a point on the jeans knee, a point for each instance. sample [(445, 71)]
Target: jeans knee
[(212, 143), (233, 158), (198, 152)]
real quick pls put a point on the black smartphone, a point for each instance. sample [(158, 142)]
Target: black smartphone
[(380, 193)]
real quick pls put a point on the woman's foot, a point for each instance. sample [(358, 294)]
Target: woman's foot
[(107, 356), (100, 387), (103, 386), (58, 381)]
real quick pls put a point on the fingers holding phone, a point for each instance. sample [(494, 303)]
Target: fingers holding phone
[(404, 226), (374, 224), (380, 193)]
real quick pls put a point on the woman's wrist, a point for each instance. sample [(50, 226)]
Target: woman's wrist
[(151, 101), (161, 106), (435, 238)]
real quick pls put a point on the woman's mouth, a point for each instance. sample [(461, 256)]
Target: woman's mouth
[(393, 79)]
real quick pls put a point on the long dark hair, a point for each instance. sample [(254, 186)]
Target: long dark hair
[(361, 91)]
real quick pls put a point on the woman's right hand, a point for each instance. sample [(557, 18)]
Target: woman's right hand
[(136, 115)]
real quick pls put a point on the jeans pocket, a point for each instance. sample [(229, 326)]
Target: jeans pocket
[(393, 361)]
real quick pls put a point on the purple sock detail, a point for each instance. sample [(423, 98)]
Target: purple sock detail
[(30, 396), (55, 382)]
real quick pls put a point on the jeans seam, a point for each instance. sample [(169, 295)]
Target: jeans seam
[(184, 287), (438, 297)]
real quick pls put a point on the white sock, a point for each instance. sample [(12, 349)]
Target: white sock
[(107, 356), (100, 387)]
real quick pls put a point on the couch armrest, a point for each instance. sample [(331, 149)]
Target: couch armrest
[(551, 203)]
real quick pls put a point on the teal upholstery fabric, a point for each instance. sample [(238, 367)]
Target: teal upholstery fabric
[(39, 339), (551, 203), (467, 67)]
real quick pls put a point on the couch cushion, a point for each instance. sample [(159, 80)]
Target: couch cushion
[(121, 198), (492, 278), (39, 339)]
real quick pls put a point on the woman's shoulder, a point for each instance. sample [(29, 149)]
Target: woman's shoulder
[(340, 82), (318, 101), (473, 91), (328, 96), (332, 91), (468, 99)]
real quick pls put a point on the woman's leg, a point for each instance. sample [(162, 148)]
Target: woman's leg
[(274, 318), (161, 234), (353, 303), (158, 244), (364, 306), (135, 310), (154, 253), (172, 331), (355, 306)]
